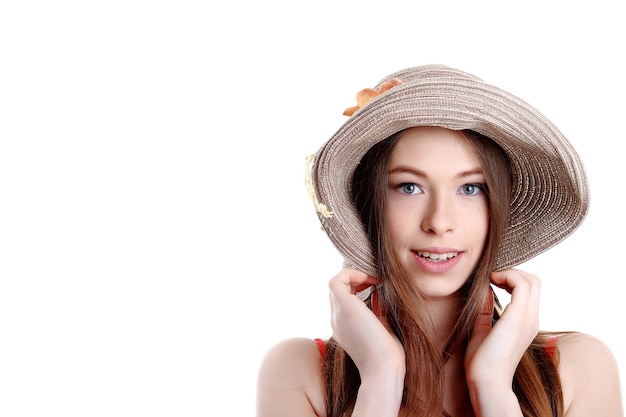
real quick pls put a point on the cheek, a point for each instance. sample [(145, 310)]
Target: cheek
[(401, 221), (480, 224)]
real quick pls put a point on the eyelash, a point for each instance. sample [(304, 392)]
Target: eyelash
[(479, 187), (404, 184)]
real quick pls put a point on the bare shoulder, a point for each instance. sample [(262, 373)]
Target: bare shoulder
[(290, 380), (590, 377)]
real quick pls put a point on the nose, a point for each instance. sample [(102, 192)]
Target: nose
[(438, 215)]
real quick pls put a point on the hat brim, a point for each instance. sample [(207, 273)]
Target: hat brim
[(550, 193)]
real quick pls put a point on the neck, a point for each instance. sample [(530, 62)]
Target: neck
[(443, 313)]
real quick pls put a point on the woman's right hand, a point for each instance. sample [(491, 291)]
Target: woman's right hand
[(364, 334)]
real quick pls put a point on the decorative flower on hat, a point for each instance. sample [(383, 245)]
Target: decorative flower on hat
[(367, 94)]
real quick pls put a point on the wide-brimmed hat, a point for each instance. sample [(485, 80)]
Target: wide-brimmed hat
[(550, 195)]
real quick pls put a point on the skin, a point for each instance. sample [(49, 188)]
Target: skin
[(436, 203)]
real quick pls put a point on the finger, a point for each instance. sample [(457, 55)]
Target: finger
[(354, 279), (525, 290), (507, 279), (516, 281)]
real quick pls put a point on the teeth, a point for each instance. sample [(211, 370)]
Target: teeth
[(437, 257)]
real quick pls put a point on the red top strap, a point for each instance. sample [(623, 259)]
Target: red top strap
[(550, 346), (322, 347)]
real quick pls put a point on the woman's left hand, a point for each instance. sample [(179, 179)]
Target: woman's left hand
[(493, 353)]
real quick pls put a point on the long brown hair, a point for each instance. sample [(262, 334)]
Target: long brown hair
[(536, 381)]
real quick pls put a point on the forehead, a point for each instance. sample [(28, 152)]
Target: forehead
[(432, 146)]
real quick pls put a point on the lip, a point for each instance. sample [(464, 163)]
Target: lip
[(437, 267)]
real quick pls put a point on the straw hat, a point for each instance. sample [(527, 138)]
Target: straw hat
[(550, 192)]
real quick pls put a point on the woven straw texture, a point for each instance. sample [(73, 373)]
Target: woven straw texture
[(550, 191)]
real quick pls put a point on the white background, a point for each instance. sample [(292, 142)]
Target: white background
[(156, 237)]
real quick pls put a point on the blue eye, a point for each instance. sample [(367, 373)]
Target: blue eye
[(409, 188), (472, 189)]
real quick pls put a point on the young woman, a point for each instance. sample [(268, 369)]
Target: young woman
[(433, 190)]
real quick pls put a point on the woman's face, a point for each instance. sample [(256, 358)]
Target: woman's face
[(437, 208)]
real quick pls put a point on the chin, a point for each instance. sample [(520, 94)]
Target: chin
[(438, 288)]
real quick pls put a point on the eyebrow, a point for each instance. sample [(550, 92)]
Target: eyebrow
[(406, 169)]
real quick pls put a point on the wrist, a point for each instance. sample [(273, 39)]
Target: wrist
[(380, 395), (495, 400)]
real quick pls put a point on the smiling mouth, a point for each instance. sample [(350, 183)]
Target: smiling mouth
[(437, 257)]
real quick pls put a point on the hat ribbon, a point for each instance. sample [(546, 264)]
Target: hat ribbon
[(308, 182)]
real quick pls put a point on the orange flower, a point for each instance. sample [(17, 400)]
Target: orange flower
[(367, 94)]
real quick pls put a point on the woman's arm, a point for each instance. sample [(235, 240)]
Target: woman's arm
[(590, 377), (290, 381)]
